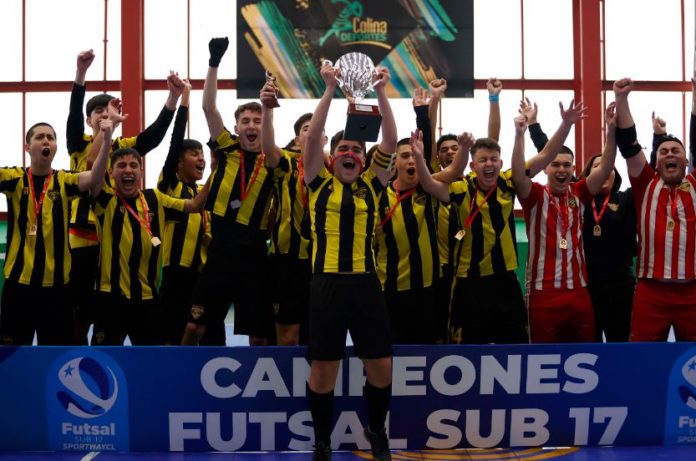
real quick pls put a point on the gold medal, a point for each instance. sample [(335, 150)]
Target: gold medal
[(155, 241), (460, 234), (670, 224), (234, 204), (32, 230), (563, 244), (597, 230)]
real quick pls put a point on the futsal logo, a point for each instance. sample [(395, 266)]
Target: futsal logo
[(89, 389), (680, 415), (687, 391)]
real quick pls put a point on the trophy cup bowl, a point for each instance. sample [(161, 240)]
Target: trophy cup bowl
[(355, 79)]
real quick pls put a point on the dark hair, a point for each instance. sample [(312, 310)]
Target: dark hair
[(485, 143), (190, 144), (30, 131), (588, 168), (369, 154), (445, 137), (566, 150), (301, 121), (338, 137), (403, 142), (118, 153), (99, 100), (252, 106)]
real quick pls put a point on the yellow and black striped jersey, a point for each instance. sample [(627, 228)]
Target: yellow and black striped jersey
[(343, 222), (37, 246), (239, 217), (292, 228), (489, 244), (129, 262), (407, 254)]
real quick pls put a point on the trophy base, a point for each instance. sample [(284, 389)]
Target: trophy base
[(363, 123)]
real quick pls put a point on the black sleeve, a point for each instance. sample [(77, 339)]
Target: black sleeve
[(653, 154), (152, 136), (423, 124), (538, 136), (76, 120), (175, 146), (692, 139)]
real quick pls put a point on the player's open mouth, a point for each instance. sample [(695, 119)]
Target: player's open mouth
[(489, 173), (561, 179), (348, 164), (46, 152), (671, 166), (411, 170)]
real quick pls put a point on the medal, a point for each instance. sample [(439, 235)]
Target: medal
[(563, 244), (32, 230), (235, 204), (597, 230), (155, 241), (460, 234), (670, 224)]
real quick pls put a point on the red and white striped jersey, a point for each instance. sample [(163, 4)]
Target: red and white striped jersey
[(666, 226), (554, 229)]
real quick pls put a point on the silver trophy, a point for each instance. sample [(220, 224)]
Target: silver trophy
[(355, 79), (273, 80)]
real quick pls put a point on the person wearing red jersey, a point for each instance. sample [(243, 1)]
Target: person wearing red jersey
[(665, 201), (559, 305)]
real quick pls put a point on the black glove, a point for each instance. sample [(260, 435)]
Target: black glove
[(217, 47)]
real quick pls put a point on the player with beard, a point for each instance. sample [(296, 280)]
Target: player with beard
[(36, 297), (82, 148), (240, 193), (664, 200), (345, 293), (559, 305)]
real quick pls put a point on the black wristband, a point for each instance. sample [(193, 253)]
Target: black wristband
[(626, 136), (631, 150)]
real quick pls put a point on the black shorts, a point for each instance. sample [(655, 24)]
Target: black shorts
[(488, 310), (176, 295), (413, 316), (342, 303), (242, 280), (48, 311), (290, 279), (83, 275), (117, 317)]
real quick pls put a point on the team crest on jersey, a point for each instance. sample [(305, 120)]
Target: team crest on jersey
[(507, 195), (295, 174), (25, 191), (361, 193), (197, 311), (572, 203), (151, 214), (122, 209), (613, 207), (685, 186), (53, 195), (420, 199)]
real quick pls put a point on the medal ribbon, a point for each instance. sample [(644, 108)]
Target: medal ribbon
[(38, 204), (259, 162), (399, 199), (303, 187), (144, 223), (598, 217), (673, 203), (472, 215), (561, 210)]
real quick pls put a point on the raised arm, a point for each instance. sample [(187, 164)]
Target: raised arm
[(176, 143), (494, 87), (387, 144), (421, 106), (76, 118), (313, 155), (569, 117), (197, 203), (217, 48), (692, 125), (437, 189), (626, 137), (437, 90), (530, 112), (523, 184), (92, 180), (659, 129), (268, 102), (455, 170), (600, 174), (152, 136), (113, 109)]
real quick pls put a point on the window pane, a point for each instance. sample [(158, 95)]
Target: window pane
[(165, 38), (213, 18), (11, 133), (11, 32), (113, 58), (643, 39), (544, 38), (689, 45), (51, 108), (497, 48), (53, 44)]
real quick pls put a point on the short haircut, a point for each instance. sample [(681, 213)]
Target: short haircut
[(566, 150), (338, 137), (30, 131), (485, 143), (301, 121), (190, 144), (403, 142), (252, 106), (445, 137), (118, 153), (99, 100), (588, 169)]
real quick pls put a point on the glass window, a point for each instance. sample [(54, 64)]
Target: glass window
[(643, 39), (548, 44), (11, 133), (11, 32), (113, 58), (57, 32), (213, 18), (165, 38), (689, 39), (497, 32)]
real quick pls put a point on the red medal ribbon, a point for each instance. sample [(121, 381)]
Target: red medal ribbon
[(673, 212), (472, 215), (399, 199), (39, 203), (561, 210), (145, 223), (303, 187), (259, 162), (598, 217)]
